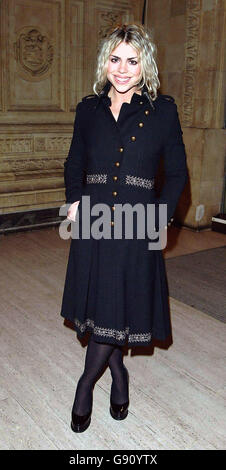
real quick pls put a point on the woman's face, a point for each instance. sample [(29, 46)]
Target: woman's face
[(124, 67)]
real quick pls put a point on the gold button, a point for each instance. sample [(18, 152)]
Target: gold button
[(113, 208), (133, 138), (114, 193), (117, 163), (141, 124), (146, 112), (112, 223), (121, 149), (115, 178), (141, 102)]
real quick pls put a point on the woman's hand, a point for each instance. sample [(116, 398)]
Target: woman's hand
[(71, 213)]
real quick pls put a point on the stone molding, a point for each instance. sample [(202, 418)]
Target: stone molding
[(193, 23)]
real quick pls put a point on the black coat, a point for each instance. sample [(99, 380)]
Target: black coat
[(117, 288)]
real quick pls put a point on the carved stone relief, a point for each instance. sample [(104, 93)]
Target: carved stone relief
[(193, 13), (16, 145), (52, 144), (33, 53), (34, 42), (31, 164), (107, 21)]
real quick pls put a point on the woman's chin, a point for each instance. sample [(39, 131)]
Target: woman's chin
[(123, 88)]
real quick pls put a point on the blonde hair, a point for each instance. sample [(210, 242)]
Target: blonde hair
[(140, 39)]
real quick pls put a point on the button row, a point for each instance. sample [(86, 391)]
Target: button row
[(121, 149), (141, 124), (115, 178), (169, 223)]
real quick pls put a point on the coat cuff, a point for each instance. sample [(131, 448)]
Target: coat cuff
[(170, 217)]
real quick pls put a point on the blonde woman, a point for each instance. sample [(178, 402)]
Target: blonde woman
[(115, 287)]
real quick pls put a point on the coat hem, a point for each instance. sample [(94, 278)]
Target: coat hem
[(111, 335)]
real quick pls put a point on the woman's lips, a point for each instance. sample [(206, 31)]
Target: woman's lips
[(122, 80)]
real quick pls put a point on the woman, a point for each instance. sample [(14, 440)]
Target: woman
[(116, 288)]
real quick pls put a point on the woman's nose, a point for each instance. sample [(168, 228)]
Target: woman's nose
[(122, 67)]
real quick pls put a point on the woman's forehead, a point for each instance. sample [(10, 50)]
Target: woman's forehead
[(125, 49)]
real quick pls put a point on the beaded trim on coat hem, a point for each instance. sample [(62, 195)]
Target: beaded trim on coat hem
[(112, 333)]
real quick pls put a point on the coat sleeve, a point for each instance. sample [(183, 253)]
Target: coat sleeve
[(175, 166), (75, 162)]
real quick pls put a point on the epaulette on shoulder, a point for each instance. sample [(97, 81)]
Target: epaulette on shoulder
[(90, 101), (167, 98), (88, 97)]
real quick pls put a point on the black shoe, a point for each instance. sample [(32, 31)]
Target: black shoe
[(120, 411), (80, 423)]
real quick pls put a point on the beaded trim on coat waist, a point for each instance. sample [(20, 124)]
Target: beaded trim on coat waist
[(147, 183)]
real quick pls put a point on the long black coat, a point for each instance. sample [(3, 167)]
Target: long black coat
[(117, 288)]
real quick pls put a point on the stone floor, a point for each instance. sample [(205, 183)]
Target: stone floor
[(177, 397)]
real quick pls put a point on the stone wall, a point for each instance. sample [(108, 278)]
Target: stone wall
[(191, 59), (47, 61)]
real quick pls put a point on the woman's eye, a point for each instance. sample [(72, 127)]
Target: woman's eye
[(115, 59)]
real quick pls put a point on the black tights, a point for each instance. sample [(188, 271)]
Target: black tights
[(98, 355)]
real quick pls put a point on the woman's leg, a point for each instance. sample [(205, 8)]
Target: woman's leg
[(97, 356), (120, 386)]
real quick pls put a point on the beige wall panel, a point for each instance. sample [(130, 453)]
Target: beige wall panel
[(35, 44), (189, 35), (32, 162), (190, 40), (28, 200), (204, 64)]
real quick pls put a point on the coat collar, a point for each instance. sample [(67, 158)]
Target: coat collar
[(136, 98)]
